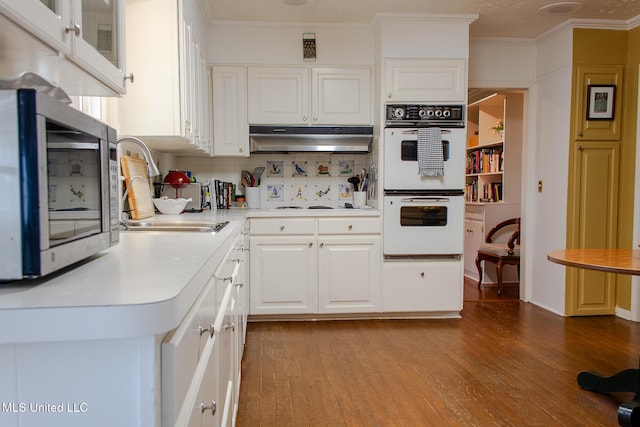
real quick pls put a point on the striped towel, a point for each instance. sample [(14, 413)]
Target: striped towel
[(430, 157)]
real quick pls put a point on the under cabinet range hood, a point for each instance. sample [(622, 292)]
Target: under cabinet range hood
[(328, 139)]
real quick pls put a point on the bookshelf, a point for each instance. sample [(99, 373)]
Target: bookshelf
[(490, 177)]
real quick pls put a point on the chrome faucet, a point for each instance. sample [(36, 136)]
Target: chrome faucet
[(151, 165), (152, 168)]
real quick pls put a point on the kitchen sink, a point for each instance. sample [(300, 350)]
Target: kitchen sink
[(185, 226)]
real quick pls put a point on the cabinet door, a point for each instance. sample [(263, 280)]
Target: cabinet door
[(341, 96), (348, 274), (202, 406), (592, 223), (473, 238), (188, 79), (99, 47), (426, 80), (44, 19), (231, 130), (278, 95), (283, 275), (597, 130)]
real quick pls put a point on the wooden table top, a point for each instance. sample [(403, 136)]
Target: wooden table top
[(622, 261)]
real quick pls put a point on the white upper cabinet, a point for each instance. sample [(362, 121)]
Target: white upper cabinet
[(341, 96), (89, 32), (231, 130), (425, 80), (316, 96), (168, 105), (278, 95)]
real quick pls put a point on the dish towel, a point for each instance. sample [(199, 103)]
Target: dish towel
[(430, 157)]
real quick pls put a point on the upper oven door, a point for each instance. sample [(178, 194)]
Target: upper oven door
[(401, 161)]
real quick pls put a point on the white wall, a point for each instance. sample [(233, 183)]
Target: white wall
[(281, 44), (548, 209), (502, 63)]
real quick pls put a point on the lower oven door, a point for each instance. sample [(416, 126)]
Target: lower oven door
[(423, 225)]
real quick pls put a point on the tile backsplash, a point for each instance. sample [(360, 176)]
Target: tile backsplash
[(298, 179)]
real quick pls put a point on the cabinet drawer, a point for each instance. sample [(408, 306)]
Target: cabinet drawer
[(433, 285), (474, 212), (349, 226), (283, 226), (182, 349)]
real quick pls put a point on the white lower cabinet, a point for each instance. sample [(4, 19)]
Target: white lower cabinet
[(201, 358), (308, 265), (433, 285), (283, 275)]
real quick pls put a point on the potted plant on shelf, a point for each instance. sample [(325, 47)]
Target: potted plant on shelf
[(498, 128)]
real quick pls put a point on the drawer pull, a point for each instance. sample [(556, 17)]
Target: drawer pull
[(210, 329), (350, 227), (282, 228), (228, 326), (211, 407)]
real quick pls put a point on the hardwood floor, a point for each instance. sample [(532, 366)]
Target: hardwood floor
[(489, 292), (501, 364)]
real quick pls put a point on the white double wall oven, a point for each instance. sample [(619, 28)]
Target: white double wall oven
[(423, 215)]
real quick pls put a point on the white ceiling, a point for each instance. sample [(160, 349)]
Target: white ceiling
[(498, 18)]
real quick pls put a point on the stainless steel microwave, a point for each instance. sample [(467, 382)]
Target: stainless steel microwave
[(59, 185)]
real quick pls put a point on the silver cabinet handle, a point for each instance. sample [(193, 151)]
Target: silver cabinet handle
[(239, 284), (211, 407), (282, 228), (210, 329), (73, 28), (228, 326), (129, 77), (322, 244), (350, 227), (310, 244)]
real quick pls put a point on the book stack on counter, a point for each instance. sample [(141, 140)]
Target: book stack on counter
[(224, 193)]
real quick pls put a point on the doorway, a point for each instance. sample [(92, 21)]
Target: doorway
[(495, 137)]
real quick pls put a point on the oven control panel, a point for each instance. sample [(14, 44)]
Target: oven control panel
[(425, 115)]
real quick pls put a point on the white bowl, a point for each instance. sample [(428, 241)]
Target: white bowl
[(171, 206)]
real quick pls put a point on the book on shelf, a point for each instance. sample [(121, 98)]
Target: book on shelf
[(487, 160)]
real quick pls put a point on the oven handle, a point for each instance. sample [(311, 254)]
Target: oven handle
[(415, 131), (425, 199)]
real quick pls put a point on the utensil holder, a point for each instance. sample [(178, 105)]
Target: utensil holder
[(359, 199), (252, 195)]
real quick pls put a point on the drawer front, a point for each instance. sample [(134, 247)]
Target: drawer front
[(349, 226), (474, 212), (182, 350), (283, 226), (429, 286)]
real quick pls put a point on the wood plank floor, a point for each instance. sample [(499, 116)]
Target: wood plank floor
[(504, 363)]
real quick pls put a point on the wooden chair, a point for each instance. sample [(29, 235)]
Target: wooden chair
[(500, 253)]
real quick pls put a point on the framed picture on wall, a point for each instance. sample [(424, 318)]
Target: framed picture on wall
[(601, 102)]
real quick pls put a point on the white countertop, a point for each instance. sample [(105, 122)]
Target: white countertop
[(143, 286)]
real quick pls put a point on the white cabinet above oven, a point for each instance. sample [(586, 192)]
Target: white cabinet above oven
[(425, 80)]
